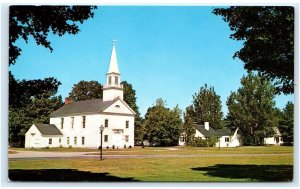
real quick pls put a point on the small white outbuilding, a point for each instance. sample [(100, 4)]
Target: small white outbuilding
[(43, 135)]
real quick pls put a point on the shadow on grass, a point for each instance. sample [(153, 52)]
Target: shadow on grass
[(65, 175), (269, 173)]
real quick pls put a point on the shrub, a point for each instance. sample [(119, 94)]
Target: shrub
[(209, 142), (70, 146), (130, 146), (107, 147), (113, 147), (125, 146)]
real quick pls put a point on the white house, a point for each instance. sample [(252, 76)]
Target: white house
[(77, 124), (226, 137), (276, 139)]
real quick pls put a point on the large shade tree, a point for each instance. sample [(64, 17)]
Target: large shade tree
[(162, 126), (86, 90), (30, 101), (252, 109), (38, 21), (206, 107), (267, 33), (286, 124)]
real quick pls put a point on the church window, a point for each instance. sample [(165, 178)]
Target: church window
[(83, 121), (126, 138), (82, 140), (59, 140), (72, 122), (75, 140), (68, 140), (105, 138), (61, 123), (116, 80), (50, 140), (226, 139), (109, 79), (106, 123), (127, 124)]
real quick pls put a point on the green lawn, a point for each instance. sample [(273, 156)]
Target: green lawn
[(173, 150), (201, 169)]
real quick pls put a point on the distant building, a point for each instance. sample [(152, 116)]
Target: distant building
[(77, 124), (275, 140), (226, 137)]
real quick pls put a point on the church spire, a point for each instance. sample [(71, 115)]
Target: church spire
[(113, 87), (113, 65)]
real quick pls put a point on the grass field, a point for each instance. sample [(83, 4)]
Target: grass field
[(172, 150), (202, 169)]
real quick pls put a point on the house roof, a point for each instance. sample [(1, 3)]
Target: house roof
[(224, 132), (207, 133), (211, 132), (83, 107), (47, 129)]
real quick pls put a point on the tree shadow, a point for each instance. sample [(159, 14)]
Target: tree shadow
[(268, 173), (63, 175)]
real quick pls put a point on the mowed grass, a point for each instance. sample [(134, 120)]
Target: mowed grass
[(201, 169), (172, 150)]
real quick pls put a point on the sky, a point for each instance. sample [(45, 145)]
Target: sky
[(166, 52)]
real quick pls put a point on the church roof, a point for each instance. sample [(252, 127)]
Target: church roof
[(113, 65), (83, 107), (47, 129)]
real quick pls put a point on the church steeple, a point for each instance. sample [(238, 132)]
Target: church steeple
[(113, 87), (113, 65)]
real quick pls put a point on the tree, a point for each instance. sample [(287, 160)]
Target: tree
[(286, 124), (130, 97), (207, 107), (39, 21), (188, 128), (268, 35), (86, 90), (251, 109), (162, 126), (30, 101)]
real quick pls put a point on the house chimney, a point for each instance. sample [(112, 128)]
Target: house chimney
[(68, 100), (206, 125)]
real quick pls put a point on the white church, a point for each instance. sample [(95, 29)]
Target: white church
[(77, 124)]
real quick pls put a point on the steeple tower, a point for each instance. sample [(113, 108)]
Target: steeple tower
[(113, 88)]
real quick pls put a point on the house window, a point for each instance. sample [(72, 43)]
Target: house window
[(182, 139), (126, 138), (83, 121), (127, 124), (116, 80), (105, 138), (72, 122), (59, 140), (281, 139), (61, 123), (50, 140), (75, 140), (109, 80), (82, 140), (106, 123), (226, 139), (68, 140)]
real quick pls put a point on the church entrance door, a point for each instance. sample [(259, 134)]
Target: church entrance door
[(117, 138)]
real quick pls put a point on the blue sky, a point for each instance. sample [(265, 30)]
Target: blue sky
[(164, 52)]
